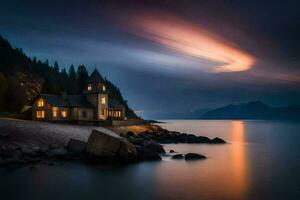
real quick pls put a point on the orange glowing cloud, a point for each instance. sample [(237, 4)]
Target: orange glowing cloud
[(192, 40)]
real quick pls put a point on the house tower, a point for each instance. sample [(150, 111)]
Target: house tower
[(96, 94)]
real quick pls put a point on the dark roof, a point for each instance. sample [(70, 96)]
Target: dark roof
[(70, 101), (96, 77), (112, 103), (53, 99), (78, 101)]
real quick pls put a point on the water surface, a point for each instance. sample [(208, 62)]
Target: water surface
[(261, 161)]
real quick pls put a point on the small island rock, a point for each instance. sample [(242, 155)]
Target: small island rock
[(217, 140), (177, 157), (194, 156)]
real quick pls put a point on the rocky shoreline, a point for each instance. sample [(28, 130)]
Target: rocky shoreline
[(164, 136), (103, 148)]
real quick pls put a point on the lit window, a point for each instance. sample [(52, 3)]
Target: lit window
[(119, 113), (40, 103), (40, 114), (89, 87), (54, 111), (102, 111), (103, 100), (103, 88), (64, 113)]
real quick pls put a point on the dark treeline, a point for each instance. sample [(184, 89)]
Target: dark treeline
[(23, 78)]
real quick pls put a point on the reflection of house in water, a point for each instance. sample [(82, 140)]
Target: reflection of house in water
[(93, 105)]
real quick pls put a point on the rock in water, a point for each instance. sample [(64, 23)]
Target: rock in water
[(177, 157), (147, 154), (110, 148), (217, 140), (153, 146), (194, 156), (76, 146)]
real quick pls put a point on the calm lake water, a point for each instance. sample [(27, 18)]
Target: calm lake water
[(261, 161)]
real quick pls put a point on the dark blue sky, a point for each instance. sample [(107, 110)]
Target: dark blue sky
[(169, 56)]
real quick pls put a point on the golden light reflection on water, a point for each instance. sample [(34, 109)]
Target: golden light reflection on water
[(224, 175), (239, 164)]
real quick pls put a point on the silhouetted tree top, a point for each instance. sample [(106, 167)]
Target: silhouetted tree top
[(82, 76), (56, 67), (72, 73)]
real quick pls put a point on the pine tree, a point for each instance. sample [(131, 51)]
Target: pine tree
[(56, 67), (83, 76), (72, 73), (64, 73)]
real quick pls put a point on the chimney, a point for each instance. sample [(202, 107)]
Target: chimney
[(64, 95)]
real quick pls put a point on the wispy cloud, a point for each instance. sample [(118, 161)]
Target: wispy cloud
[(190, 39)]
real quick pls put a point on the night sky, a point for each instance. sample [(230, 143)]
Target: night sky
[(169, 56)]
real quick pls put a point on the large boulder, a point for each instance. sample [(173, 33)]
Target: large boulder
[(147, 148), (110, 148), (147, 154), (76, 146), (153, 146)]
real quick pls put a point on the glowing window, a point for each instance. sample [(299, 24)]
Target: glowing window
[(103, 88), (40, 103), (54, 111), (102, 112), (64, 113), (119, 113), (103, 100), (40, 114), (89, 87)]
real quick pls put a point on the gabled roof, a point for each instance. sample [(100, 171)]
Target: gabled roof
[(69, 101), (53, 99), (96, 77)]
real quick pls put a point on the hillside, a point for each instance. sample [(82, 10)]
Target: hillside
[(253, 110), (23, 78)]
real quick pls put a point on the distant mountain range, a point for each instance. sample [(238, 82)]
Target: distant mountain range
[(253, 110)]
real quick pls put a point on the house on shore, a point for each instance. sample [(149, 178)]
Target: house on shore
[(93, 105)]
